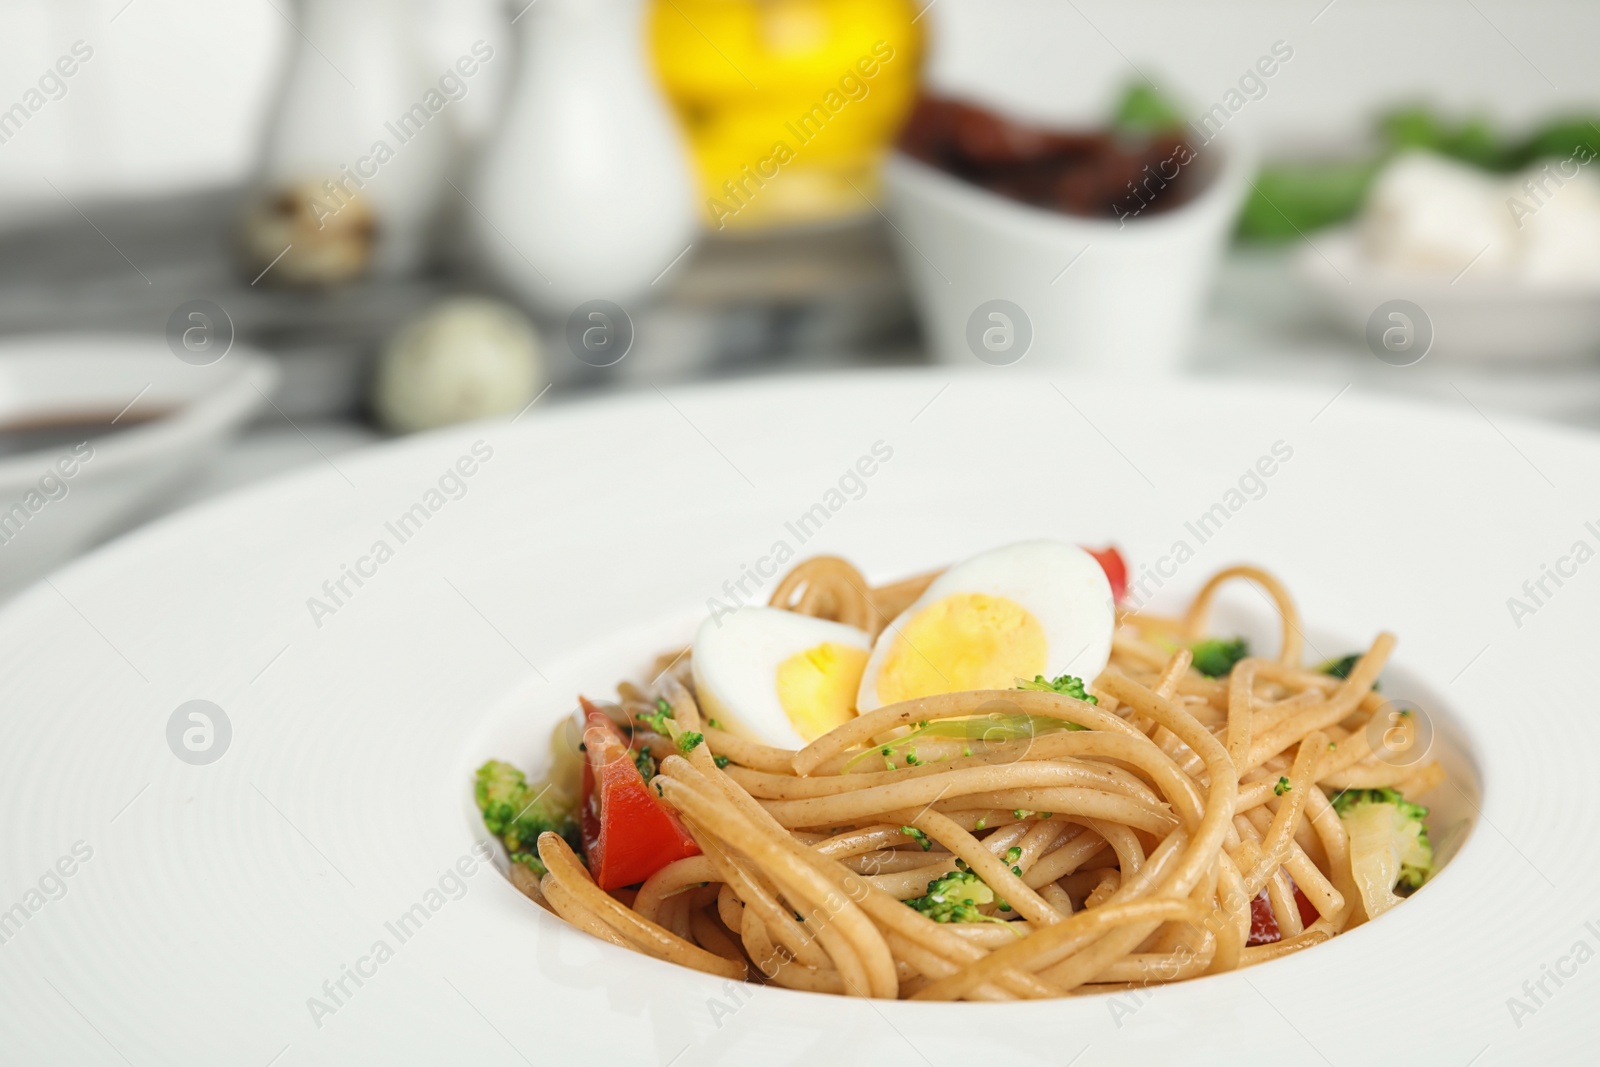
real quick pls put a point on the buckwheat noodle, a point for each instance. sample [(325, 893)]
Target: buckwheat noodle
[(1127, 851)]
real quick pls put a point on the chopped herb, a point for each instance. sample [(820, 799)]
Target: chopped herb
[(994, 728), (1047, 815), (1004, 906), (1017, 871), (1341, 667), (657, 719), (714, 724), (955, 898), (918, 836), (721, 761), (646, 763), (1067, 685), (689, 740), (1282, 787)]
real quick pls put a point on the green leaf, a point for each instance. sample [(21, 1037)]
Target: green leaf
[(1144, 109)]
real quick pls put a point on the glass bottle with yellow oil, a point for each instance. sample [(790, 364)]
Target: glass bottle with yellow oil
[(788, 105)]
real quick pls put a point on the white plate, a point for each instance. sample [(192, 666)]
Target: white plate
[(219, 898)]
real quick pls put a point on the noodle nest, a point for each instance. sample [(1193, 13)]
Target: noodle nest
[(1124, 840)]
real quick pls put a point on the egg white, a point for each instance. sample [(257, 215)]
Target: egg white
[(1059, 584), (735, 663)]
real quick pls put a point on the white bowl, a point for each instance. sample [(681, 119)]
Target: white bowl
[(1100, 295), (57, 501), (1472, 318)]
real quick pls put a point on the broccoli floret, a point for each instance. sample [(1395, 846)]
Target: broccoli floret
[(1390, 853), (530, 861), (517, 812), (1066, 685), (955, 898), (1345, 799), (1418, 869), (1341, 667), (1215, 656), (721, 761), (646, 764), (918, 836), (689, 740)]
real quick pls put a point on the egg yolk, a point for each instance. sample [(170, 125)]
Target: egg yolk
[(965, 641), (817, 687)]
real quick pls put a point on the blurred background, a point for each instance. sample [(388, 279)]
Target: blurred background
[(239, 236)]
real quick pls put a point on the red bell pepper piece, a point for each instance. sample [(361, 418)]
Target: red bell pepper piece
[(628, 833), (1116, 569)]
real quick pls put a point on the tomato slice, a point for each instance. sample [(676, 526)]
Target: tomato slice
[(1308, 913), (1116, 569), (628, 833), (1264, 925)]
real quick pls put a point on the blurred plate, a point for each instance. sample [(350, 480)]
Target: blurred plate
[(1471, 318), (96, 431), (208, 905)]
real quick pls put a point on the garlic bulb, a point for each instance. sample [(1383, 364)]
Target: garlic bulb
[(465, 358)]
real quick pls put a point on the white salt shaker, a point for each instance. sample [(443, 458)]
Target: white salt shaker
[(587, 194)]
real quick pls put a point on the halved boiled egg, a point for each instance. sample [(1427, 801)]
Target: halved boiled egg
[(1039, 607), (777, 677)]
